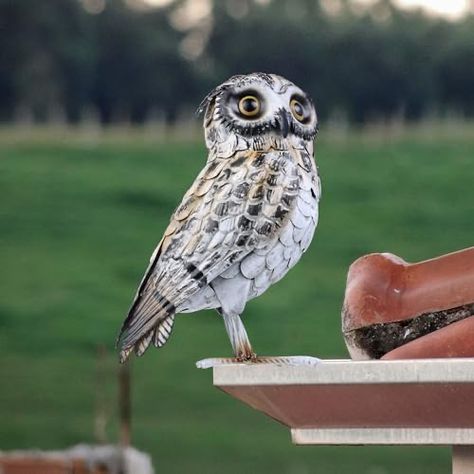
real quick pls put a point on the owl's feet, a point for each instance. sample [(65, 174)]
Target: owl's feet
[(246, 356)]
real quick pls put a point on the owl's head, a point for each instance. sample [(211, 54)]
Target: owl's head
[(258, 104)]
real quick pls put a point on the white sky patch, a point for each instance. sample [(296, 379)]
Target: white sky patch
[(448, 8), (452, 9)]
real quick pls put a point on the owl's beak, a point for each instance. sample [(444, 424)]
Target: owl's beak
[(282, 122)]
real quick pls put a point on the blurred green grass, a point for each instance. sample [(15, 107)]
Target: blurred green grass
[(79, 220)]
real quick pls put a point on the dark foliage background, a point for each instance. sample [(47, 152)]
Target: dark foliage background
[(121, 60)]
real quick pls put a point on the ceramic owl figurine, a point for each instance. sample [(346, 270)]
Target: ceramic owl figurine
[(245, 221)]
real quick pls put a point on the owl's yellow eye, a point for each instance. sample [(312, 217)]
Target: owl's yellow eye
[(298, 110), (249, 106)]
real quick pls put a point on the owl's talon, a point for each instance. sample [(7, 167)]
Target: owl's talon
[(247, 357)]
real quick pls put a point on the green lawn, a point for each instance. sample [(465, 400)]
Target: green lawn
[(79, 220)]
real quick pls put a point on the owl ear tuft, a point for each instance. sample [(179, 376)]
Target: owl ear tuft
[(207, 104), (207, 107)]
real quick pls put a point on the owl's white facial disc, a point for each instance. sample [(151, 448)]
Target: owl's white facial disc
[(258, 104)]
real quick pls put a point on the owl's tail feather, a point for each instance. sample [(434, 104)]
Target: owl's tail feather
[(163, 331), (150, 319), (158, 335)]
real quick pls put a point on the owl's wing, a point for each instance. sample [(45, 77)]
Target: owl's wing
[(235, 206)]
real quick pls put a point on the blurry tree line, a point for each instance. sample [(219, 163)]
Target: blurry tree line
[(124, 60)]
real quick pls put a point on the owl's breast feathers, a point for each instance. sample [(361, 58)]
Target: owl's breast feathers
[(236, 205)]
